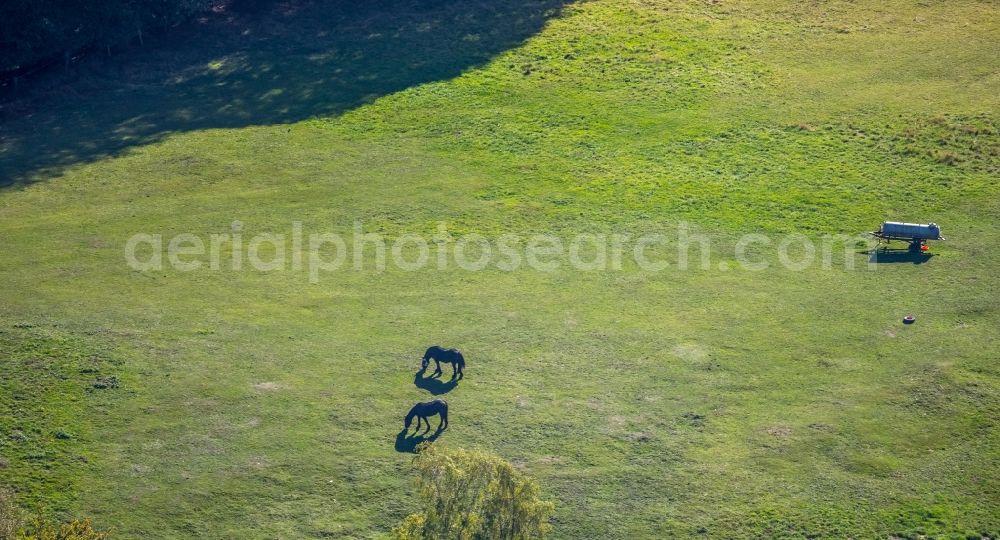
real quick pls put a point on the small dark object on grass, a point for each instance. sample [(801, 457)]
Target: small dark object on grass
[(62, 435), (909, 319), (103, 383)]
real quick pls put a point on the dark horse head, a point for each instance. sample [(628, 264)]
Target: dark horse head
[(434, 351)]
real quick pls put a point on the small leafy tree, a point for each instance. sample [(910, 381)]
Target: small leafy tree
[(474, 495)]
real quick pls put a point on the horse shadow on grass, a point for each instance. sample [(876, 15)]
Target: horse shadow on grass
[(433, 385), (250, 63), (407, 443)]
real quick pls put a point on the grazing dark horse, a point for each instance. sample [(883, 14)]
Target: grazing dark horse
[(423, 410), (448, 356)]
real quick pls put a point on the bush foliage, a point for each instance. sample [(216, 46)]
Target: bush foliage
[(34, 31), (474, 495), (15, 526), (80, 529)]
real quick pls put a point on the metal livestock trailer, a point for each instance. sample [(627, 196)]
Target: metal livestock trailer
[(917, 234)]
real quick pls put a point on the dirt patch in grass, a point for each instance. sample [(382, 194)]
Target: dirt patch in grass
[(779, 431), (550, 460), (690, 352), (249, 423), (617, 421), (639, 436)]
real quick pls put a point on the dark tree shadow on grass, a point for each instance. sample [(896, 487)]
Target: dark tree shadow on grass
[(433, 385), (407, 443), (254, 62)]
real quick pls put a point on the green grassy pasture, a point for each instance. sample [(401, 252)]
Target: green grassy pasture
[(708, 403)]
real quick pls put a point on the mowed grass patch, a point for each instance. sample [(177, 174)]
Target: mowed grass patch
[(727, 404)]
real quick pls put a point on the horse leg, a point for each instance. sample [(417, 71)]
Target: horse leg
[(438, 366)]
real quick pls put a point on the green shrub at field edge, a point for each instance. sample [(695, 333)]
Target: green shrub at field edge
[(474, 495)]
